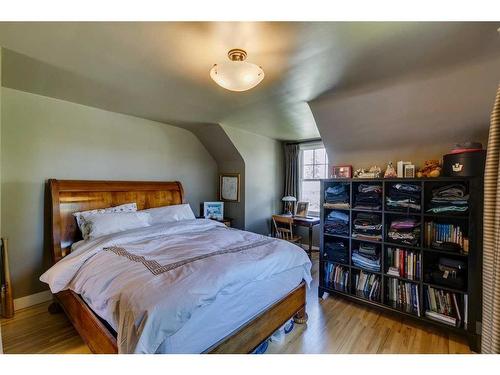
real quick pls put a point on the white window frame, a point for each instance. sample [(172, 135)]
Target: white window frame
[(304, 147)]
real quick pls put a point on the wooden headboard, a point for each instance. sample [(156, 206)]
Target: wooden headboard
[(64, 197)]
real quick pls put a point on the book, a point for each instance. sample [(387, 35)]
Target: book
[(393, 271), (466, 310), (441, 318)]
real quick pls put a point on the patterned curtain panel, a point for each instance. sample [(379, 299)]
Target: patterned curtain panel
[(491, 238), (291, 170)]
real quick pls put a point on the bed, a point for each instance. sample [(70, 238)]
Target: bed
[(253, 307)]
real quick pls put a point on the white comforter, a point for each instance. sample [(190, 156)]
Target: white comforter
[(148, 282)]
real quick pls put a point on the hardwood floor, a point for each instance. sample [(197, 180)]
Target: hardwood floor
[(335, 326)]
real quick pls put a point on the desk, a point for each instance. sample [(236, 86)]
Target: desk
[(308, 222)]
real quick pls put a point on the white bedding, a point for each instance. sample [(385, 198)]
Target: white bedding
[(211, 323), (148, 283)]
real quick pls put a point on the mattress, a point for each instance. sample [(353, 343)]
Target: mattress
[(212, 323)]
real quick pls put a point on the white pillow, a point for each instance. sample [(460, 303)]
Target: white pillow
[(79, 216), (169, 214), (100, 224)]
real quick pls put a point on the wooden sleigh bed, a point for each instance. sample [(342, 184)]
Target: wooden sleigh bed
[(64, 197)]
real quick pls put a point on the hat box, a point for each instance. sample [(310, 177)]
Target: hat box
[(464, 164)]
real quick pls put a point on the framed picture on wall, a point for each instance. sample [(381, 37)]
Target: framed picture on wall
[(342, 171), (229, 187)]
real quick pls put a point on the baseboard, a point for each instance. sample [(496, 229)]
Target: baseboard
[(33, 299)]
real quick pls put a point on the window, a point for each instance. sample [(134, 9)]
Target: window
[(313, 167)]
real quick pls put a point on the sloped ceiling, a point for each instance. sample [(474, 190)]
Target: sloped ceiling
[(417, 118), (159, 71)]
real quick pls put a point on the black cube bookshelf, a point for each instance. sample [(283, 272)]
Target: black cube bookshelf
[(419, 289)]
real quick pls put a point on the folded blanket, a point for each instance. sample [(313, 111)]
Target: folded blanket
[(404, 197), (449, 198), (368, 262), (367, 226)]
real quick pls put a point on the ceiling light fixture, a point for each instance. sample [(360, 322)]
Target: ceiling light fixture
[(237, 74)]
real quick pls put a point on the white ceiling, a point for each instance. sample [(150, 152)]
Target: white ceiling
[(160, 71)]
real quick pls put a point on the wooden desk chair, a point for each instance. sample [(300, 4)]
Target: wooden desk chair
[(283, 228)]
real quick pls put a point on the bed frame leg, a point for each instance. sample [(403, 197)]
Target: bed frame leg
[(301, 316), (55, 308)]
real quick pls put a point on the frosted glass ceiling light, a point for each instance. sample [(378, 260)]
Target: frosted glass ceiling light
[(237, 74)]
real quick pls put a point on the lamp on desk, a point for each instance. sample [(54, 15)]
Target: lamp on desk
[(288, 204)]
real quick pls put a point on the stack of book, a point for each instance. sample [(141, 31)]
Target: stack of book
[(444, 307), (404, 263), (404, 295), (368, 286), (337, 277), (439, 233)]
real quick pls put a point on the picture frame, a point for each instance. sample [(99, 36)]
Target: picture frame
[(409, 171), (229, 187), (213, 210), (342, 171), (302, 209)]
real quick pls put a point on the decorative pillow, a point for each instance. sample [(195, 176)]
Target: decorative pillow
[(79, 216), (100, 224), (169, 214)]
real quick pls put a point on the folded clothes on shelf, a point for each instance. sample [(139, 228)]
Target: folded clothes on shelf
[(368, 197), (337, 194), (336, 251), (449, 198), (404, 197), (405, 231), (337, 223), (368, 262), (367, 248), (367, 226)]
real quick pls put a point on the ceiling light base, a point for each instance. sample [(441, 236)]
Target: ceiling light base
[(237, 54)]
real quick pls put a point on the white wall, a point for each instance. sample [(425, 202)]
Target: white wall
[(263, 159), (45, 138)]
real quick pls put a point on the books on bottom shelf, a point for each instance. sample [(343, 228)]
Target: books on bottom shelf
[(404, 295), (441, 318), (337, 276), (445, 307), (368, 286)]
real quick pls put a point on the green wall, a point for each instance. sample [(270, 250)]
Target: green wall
[(45, 138), (263, 159)]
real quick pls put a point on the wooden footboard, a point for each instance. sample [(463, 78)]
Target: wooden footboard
[(101, 340), (94, 333)]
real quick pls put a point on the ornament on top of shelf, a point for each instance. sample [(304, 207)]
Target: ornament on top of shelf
[(373, 172), (390, 172), (431, 168)]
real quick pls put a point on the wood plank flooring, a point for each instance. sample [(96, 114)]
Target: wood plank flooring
[(335, 326)]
